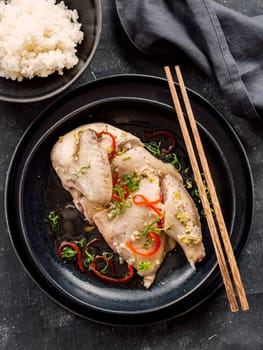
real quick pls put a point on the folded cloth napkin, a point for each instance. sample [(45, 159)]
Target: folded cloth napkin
[(225, 44)]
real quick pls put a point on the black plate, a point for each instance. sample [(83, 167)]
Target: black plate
[(135, 103)]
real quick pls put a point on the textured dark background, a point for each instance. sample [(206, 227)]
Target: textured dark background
[(30, 320)]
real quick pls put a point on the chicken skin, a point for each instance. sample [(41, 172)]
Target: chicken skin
[(182, 221), (138, 203)]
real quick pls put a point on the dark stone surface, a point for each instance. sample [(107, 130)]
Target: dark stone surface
[(30, 320)]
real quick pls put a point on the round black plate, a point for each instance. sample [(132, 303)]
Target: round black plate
[(135, 103)]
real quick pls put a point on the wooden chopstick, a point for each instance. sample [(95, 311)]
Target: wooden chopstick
[(199, 182)]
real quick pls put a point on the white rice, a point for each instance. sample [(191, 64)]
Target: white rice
[(37, 38)]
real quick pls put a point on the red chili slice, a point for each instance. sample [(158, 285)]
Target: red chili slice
[(160, 224), (155, 238), (115, 179), (126, 194), (76, 248), (166, 133), (140, 199), (107, 260), (113, 146), (94, 240), (116, 198), (110, 279), (145, 201)]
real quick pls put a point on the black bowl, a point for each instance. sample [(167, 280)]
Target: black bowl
[(38, 89)]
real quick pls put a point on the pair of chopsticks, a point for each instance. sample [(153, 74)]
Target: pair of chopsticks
[(220, 253)]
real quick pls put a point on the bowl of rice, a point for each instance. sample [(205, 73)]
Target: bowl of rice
[(45, 45)]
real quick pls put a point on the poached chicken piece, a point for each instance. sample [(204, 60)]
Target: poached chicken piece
[(80, 160), (84, 170), (138, 203), (130, 227), (182, 221), (138, 160)]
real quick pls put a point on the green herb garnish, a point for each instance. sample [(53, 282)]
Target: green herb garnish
[(54, 222), (118, 207), (188, 184), (121, 193), (90, 258), (150, 227), (144, 266), (154, 148), (173, 159), (68, 253), (132, 181), (81, 171), (108, 255), (81, 242), (196, 197)]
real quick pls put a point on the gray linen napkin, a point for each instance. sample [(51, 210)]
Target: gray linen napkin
[(225, 44)]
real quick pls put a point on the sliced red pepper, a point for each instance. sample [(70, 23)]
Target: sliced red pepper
[(115, 179), (107, 260), (145, 201), (110, 279), (155, 238), (127, 192), (140, 199), (166, 133), (159, 200), (113, 146), (116, 198), (76, 248), (94, 240), (160, 224)]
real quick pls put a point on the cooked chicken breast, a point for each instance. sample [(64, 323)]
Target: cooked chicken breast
[(87, 158), (84, 169), (182, 221), (128, 227), (124, 139), (138, 160)]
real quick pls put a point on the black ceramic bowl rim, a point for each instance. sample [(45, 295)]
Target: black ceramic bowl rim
[(76, 76)]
